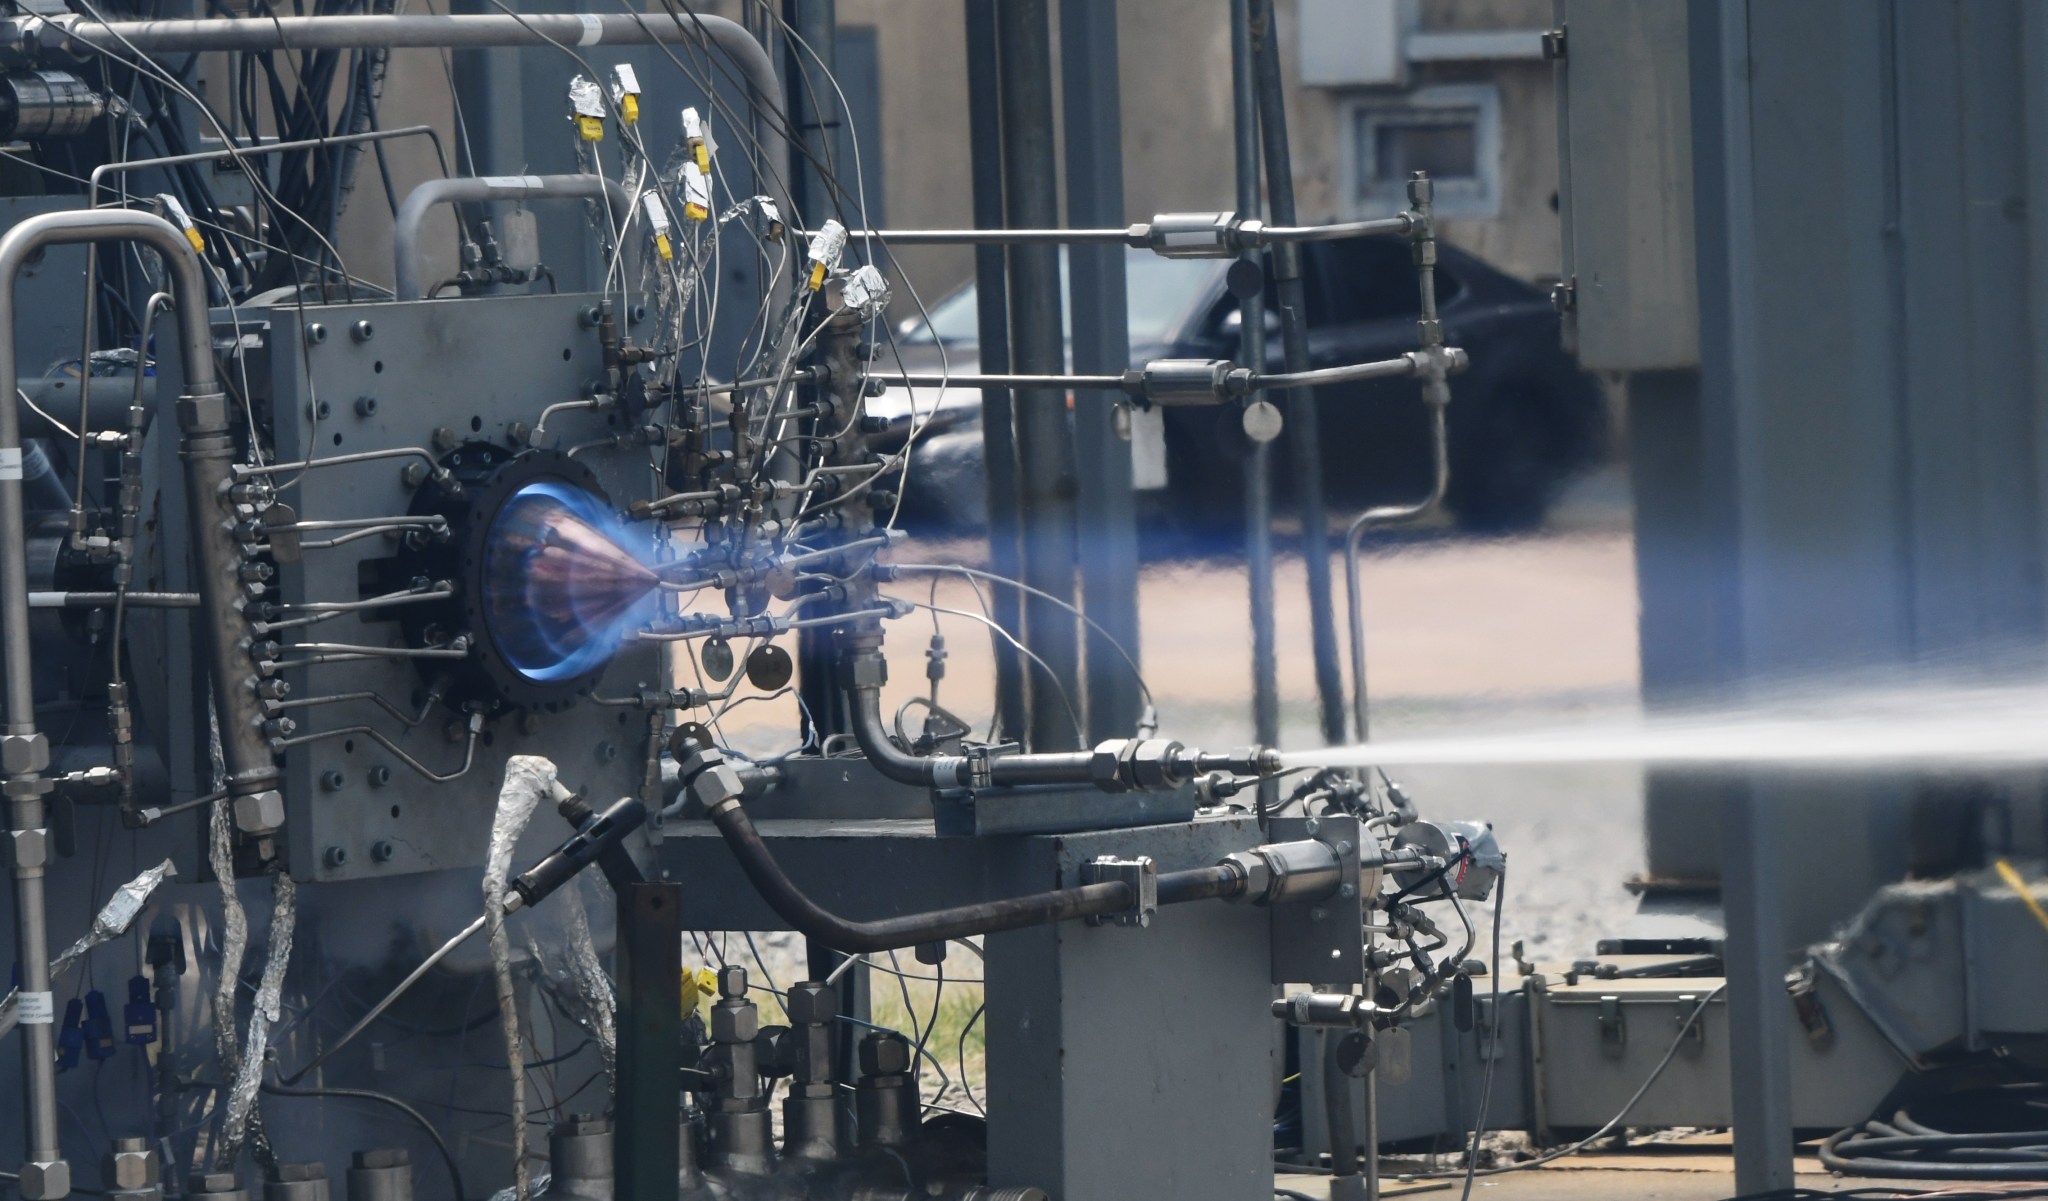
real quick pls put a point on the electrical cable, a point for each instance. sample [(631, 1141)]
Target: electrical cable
[(364, 1094), (1491, 1035)]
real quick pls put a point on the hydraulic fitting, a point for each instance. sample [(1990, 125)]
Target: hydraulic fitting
[(886, 1101), (1281, 872), (1325, 1009)]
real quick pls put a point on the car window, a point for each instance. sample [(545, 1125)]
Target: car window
[(1368, 279), (1158, 294)]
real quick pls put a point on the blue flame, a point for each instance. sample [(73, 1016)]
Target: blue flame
[(565, 581)]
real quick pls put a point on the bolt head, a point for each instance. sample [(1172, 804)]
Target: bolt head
[(336, 856), (130, 1167), (316, 333), (382, 851), (362, 331), (211, 1182), (366, 406), (884, 1054), (21, 753), (259, 813), (40, 1181), (383, 1157)]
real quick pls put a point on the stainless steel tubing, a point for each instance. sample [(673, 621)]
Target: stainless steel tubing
[(202, 412), (433, 32), (412, 215), (1354, 611)]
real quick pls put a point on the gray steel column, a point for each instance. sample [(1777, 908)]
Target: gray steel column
[(1093, 116), (1045, 452), (1251, 351), (650, 964), (1304, 443), (1726, 218), (991, 284), (813, 107)]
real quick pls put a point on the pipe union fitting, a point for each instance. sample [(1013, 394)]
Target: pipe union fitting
[(1257, 873)]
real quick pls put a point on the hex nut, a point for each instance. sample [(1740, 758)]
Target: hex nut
[(716, 785), (1258, 875), (884, 1054), (583, 1123), (40, 1181), (135, 1168), (812, 1004), (31, 847), (383, 1157), (1104, 761), (732, 1023), (732, 982), (212, 1182), (259, 813), (21, 753), (296, 1173)]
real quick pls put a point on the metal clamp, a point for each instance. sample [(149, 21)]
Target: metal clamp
[(1141, 874)]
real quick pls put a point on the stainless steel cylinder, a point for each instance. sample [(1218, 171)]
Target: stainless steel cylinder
[(380, 1174), (47, 104), (742, 1142), (811, 1123), (580, 1159), (1302, 871)]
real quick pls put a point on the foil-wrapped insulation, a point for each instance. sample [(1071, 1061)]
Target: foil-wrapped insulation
[(266, 1012), (113, 920), (578, 981), (529, 780), (234, 944)]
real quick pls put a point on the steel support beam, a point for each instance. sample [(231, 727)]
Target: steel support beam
[(1045, 450), (991, 289), (650, 967), (1108, 531)]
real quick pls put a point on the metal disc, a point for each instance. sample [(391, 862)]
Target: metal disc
[(1262, 421), (1355, 1054), (769, 667), (686, 735), (717, 658)]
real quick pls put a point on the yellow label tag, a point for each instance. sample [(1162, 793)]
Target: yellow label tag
[(817, 276), (192, 236), (661, 244), (703, 154), (695, 211), (592, 128), (698, 989), (629, 108)]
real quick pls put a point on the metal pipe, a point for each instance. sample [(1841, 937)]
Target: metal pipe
[(1355, 535), (1248, 234), (203, 416), (871, 734), (1304, 443), (992, 317), (412, 215), (1045, 451), (347, 139), (106, 600), (1251, 356)]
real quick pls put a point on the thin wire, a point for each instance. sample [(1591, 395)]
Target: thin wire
[(1026, 651), (1493, 1053)]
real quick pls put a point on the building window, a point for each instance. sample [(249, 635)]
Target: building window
[(1452, 132)]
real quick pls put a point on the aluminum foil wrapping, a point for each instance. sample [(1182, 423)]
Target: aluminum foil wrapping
[(540, 1185), (866, 291), (529, 779), (112, 921), (579, 982), (586, 99), (266, 1012)]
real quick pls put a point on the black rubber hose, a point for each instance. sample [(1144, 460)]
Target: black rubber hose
[(1200, 884), (1868, 1151), (896, 933)]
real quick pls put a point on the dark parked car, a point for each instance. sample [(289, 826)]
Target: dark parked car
[(1523, 418)]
